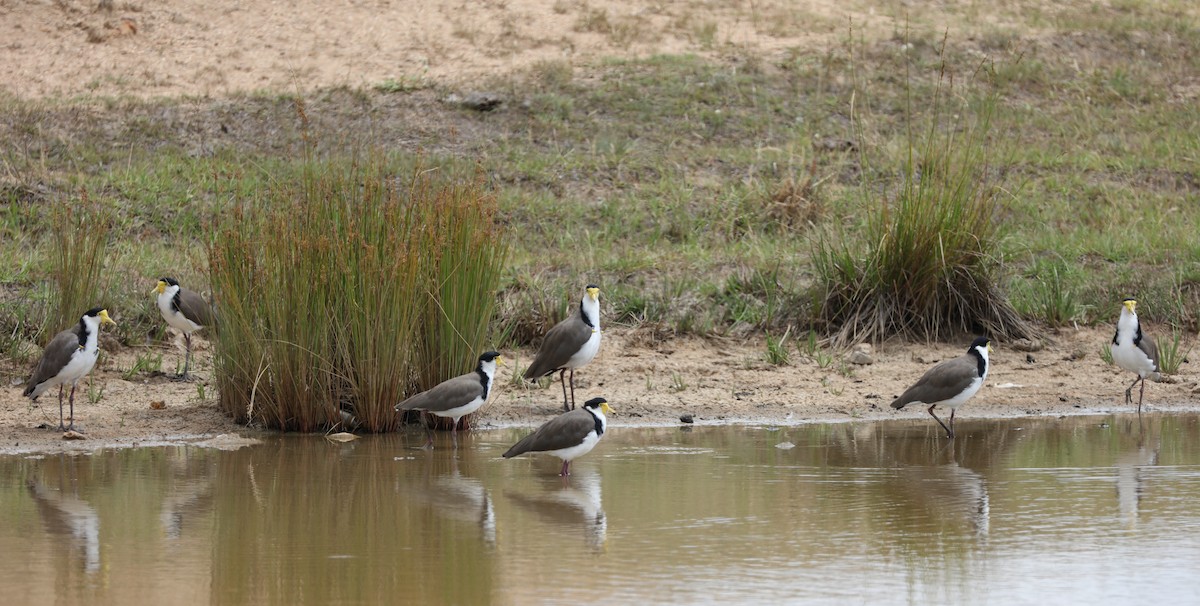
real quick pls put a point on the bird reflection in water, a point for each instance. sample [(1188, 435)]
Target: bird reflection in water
[(576, 504), (454, 496), (68, 516), (1131, 474), (939, 485), (186, 499)]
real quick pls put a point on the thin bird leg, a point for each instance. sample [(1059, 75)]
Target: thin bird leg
[(562, 379), (61, 427), (566, 469), (572, 389), (1129, 392), (952, 411), (454, 432), (72, 424), (187, 358), (1141, 394), (428, 432), (949, 433)]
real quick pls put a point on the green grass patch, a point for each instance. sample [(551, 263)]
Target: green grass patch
[(673, 180), (348, 286), (924, 263)]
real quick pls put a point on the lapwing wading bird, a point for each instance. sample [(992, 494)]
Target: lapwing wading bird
[(571, 344), (569, 435), (68, 357), (185, 310), (950, 383), (458, 397), (1134, 351)]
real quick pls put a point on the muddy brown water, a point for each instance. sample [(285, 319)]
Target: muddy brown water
[(1069, 510)]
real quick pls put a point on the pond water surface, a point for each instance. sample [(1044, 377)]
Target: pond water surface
[(1071, 510)]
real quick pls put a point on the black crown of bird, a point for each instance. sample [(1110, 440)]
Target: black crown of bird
[(570, 344)]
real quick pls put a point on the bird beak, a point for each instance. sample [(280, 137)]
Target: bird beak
[(989, 347), (104, 319), (605, 408), (594, 293), (159, 288), (1131, 305), (500, 361)]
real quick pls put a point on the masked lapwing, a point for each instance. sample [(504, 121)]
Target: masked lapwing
[(185, 310), (950, 383), (571, 344), (568, 436), (1134, 351), (458, 397), (68, 357)]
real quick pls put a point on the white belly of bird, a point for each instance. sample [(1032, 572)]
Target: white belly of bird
[(81, 363), (574, 452), (587, 352), (1129, 357), (461, 411), (174, 318), (966, 394)]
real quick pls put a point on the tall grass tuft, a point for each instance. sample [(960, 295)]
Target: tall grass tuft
[(81, 233), (336, 291), (465, 260), (924, 263)]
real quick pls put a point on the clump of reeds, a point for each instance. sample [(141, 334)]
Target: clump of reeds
[(81, 233), (924, 263), (346, 289)]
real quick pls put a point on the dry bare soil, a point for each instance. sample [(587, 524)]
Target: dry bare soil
[(63, 48)]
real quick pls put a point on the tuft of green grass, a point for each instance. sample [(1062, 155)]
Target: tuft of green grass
[(347, 287), (143, 363), (925, 263), (678, 383), (778, 353), (1053, 300), (95, 393), (1172, 353), (81, 233), (462, 258)]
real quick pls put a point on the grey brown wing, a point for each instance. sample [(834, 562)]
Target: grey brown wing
[(57, 354), (1150, 348), (942, 382), (562, 342), (194, 307), (564, 431), (448, 394)]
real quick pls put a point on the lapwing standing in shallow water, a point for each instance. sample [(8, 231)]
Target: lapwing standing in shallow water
[(458, 397), (1134, 351), (185, 310), (950, 383), (571, 344), (569, 435), (68, 357)]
